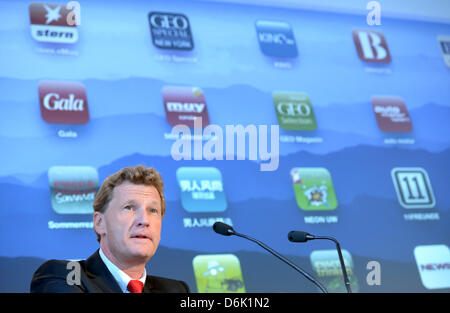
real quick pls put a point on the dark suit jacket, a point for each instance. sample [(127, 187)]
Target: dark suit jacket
[(95, 277)]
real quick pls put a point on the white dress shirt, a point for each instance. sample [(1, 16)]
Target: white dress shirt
[(120, 276)]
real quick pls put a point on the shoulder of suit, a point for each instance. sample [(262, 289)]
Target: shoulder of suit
[(58, 268), (51, 277), (168, 284), (159, 278)]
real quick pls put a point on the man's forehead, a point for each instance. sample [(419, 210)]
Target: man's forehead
[(130, 191)]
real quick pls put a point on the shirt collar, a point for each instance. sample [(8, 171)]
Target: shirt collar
[(120, 276)]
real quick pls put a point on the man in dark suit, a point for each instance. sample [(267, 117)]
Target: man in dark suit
[(128, 212)]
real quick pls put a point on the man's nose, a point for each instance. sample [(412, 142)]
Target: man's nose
[(142, 217)]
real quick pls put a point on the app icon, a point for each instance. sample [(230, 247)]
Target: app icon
[(185, 104), (371, 46), (433, 263), (170, 31), (73, 189), (218, 273), (276, 39), (413, 187), (201, 189), (63, 102), (52, 23), (294, 111), (391, 114), (313, 188), (329, 272), (444, 44)]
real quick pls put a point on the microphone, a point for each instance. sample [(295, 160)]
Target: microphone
[(227, 230), (223, 229), (301, 236)]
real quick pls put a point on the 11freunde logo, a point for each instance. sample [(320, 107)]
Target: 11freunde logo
[(170, 31), (49, 23), (413, 187)]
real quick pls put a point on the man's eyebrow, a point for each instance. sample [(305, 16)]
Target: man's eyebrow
[(133, 202), (155, 203), (129, 201)]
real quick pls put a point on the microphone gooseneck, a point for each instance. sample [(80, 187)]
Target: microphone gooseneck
[(227, 230), (301, 236)]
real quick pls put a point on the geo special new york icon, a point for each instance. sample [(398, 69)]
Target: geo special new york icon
[(170, 31)]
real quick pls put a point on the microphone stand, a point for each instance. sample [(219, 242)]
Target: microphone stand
[(308, 276), (341, 260)]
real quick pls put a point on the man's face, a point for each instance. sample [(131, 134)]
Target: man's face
[(131, 225)]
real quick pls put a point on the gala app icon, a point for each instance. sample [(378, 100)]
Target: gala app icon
[(63, 102)]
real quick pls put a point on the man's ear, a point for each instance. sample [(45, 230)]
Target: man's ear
[(99, 223)]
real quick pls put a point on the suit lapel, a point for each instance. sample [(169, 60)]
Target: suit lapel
[(148, 286), (100, 278)]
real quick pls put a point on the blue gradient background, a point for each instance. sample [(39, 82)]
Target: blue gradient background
[(119, 67)]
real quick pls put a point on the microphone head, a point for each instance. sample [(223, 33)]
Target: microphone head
[(298, 236), (223, 229)]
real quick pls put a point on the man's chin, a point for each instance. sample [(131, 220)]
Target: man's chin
[(144, 253)]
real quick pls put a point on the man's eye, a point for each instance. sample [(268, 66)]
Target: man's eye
[(128, 207)]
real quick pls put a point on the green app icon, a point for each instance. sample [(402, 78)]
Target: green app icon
[(294, 110), (328, 269), (218, 273), (313, 188)]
